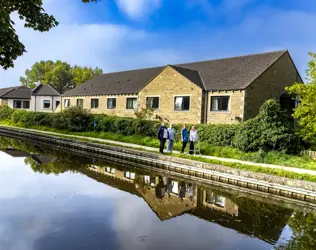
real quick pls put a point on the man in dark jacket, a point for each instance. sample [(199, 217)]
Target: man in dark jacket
[(163, 135)]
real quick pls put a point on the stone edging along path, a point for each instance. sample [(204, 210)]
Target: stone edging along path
[(295, 189), (136, 146)]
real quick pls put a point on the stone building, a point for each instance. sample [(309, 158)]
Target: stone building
[(222, 91)]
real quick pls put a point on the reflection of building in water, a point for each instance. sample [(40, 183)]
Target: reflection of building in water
[(14, 152), (42, 159), (245, 216), (218, 202)]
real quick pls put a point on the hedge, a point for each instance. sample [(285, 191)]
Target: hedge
[(270, 130)]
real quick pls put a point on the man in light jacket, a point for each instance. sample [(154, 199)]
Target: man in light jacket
[(171, 139), (193, 138), (163, 135)]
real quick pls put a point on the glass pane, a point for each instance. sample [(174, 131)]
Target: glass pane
[(111, 103), (150, 101), (220, 201), (178, 103), (80, 102), (134, 103), (156, 102), (26, 104), (186, 103), (94, 103), (225, 101), (17, 104), (46, 104), (214, 104), (175, 188)]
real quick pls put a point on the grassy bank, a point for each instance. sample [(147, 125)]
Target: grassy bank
[(153, 143), (272, 157)]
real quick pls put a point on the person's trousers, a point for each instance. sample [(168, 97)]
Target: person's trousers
[(162, 145), (191, 151), (170, 145), (184, 144)]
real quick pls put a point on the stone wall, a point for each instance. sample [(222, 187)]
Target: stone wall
[(270, 85), (3, 102), (167, 85), (235, 108), (102, 109)]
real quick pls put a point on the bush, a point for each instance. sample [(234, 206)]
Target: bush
[(270, 130), (5, 112)]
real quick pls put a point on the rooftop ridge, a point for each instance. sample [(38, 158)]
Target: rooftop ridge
[(203, 61)]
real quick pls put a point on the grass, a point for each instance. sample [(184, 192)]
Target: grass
[(272, 157), (221, 151)]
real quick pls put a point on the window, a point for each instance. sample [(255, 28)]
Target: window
[(130, 175), (26, 104), (46, 104), (67, 103), (215, 199), (219, 103), (17, 104), (111, 103), (182, 103), (94, 103), (57, 103), (131, 103), (80, 103), (110, 170), (152, 102)]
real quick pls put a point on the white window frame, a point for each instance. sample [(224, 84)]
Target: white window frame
[(50, 104), (183, 95), (219, 95), (24, 102), (111, 97), (148, 96), (82, 101), (128, 97), (94, 98), (65, 101)]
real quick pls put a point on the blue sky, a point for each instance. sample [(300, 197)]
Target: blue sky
[(127, 34)]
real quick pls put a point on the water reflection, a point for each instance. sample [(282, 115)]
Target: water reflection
[(70, 211)]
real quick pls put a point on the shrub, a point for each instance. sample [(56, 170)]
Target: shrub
[(270, 130), (5, 112)]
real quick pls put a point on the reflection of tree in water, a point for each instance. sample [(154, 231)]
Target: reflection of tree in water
[(304, 232), (57, 165)]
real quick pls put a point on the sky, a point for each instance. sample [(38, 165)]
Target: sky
[(120, 35)]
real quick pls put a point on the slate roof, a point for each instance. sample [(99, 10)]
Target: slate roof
[(6, 90), (20, 92), (45, 90), (232, 73)]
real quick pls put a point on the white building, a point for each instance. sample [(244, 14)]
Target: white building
[(16, 97), (44, 98)]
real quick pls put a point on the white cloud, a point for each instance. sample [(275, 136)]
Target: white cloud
[(137, 8)]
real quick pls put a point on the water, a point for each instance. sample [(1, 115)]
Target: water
[(56, 200)]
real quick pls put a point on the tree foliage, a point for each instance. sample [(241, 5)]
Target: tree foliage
[(34, 16), (269, 130), (306, 109), (58, 74)]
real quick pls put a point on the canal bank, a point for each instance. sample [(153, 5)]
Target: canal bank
[(296, 189)]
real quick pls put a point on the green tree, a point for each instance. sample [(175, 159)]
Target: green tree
[(33, 14), (59, 75), (81, 75), (306, 109), (35, 17)]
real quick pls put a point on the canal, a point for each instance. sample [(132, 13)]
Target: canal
[(54, 199)]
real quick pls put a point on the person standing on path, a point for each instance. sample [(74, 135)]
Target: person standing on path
[(193, 138), (184, 137), (171, 139), (163, 135)]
